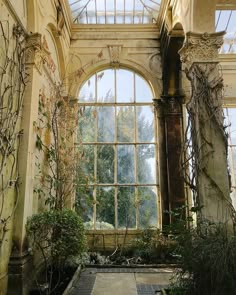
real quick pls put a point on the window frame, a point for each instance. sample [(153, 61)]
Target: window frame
[(116, 185)]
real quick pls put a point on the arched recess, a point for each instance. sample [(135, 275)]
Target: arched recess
[(59, 49), (154, 81), (118, 134)]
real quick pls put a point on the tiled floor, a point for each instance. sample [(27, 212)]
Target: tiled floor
[(122, 281)]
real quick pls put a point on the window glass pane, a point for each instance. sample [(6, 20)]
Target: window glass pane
[(145, 124), (233, 196), (126, 208), (105, 208), (125, 124), (106, 86), (106, 124), (231, 123), (84, 205), (232, 162), (90, 9), (147, 197), (85, 173), (105, 164), (87, 92), (125, 164), (146, 163), (125, 86), (142, 90), (120, 6), (110, 5), (86, 125)]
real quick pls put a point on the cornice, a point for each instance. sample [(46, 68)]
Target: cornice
[(93, 32)]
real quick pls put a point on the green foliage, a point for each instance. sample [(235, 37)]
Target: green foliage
[(57, 234), (153, 247), (207, 257)]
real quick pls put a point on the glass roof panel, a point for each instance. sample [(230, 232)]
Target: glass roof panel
[(114, 11), (226, 21)]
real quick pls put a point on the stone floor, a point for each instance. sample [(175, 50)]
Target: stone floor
[(121, 281)]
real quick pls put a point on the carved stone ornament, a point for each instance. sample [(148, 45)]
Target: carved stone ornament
[(34, 51), (199, 48), (114, 51), (168, 105), (37, 52)]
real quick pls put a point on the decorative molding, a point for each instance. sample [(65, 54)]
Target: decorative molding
[(33, 51), (47, 58), (168, 105), (155, 64), (200, 48), (115, 52)]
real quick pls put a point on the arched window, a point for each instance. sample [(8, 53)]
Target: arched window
[(118, 134)]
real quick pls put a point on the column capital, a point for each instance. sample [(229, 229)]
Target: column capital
[(36, 53), (200, 48), (168, 105)]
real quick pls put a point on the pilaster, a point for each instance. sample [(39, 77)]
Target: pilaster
[(199, 56), (169, 114), (19, 265)]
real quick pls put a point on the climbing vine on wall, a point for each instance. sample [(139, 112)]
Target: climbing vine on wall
[(58, 159), (206, 137), (13, 79)]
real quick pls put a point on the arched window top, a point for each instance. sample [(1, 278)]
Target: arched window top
[(115, 86)]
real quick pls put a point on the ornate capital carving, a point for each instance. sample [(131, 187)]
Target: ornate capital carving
[(33, 50), (37, 52), (198, 48), (115, 51), (168, 105)]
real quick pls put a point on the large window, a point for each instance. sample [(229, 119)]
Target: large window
[(225, 20), (117, 132)]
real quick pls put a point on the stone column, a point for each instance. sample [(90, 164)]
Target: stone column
[(169, 114), (199, 56), (19, 265)]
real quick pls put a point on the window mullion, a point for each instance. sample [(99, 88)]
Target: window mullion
[(115, 158), (135, 159), (95, 154)]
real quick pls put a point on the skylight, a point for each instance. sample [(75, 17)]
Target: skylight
[(226, 21), (114, 11)]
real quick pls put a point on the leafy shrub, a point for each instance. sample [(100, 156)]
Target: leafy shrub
[(207, 261), (58, 235), (152, 246)]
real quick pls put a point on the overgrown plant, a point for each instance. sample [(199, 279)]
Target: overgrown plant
[(153, 247), (207, 260), (58, 159), (58, 235), (13, 80)]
